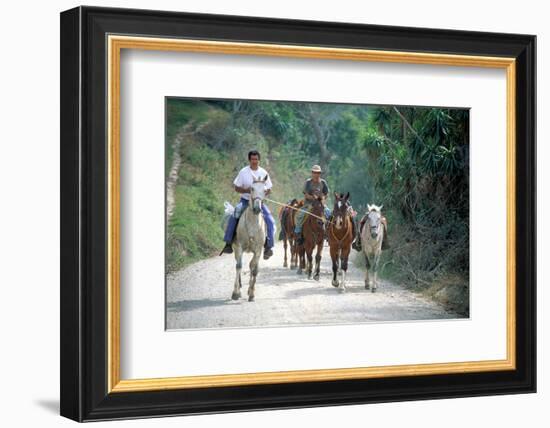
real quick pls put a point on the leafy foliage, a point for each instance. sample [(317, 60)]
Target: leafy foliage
[(413, 160)]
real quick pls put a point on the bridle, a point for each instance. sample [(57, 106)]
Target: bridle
[(377, 226), (256, 198), (346, 216), (321, 221)]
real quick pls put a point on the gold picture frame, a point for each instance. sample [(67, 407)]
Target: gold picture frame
[(117, 43)]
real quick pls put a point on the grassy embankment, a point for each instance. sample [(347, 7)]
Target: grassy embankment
[(211, 158)]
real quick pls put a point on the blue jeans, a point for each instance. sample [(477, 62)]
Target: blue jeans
[(300, 217), (232, 223)]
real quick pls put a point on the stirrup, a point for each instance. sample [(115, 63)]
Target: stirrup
[(228, 249)]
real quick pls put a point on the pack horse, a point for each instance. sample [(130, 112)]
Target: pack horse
[(372, 235)]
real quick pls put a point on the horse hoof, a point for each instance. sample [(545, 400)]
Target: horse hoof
[(251, 298), (316, 277), (335, 283), (367, 286), (299, 272), (285, 264), (341, 290), (373, 290), (236, 296)]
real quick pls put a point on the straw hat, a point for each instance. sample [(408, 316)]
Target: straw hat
[(316, 168)]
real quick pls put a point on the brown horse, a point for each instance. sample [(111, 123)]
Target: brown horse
[(314, 234), (340, 237), (287, 216)]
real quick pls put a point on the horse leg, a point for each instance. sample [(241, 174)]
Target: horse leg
[(344, 255), (302, 259), (334, 258), (239, 265), (341, 285), (367, 267), (253, 275), (293, 263), (294, 248), (318, 261), (375, 271), (285, 263), (309, 252)]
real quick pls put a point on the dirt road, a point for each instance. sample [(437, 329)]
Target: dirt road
[(199, 296)]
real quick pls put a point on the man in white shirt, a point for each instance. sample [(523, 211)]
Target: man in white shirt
[(242, 184)]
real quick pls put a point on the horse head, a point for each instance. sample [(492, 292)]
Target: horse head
[(340, 210), (318, 210), (374, 217), (257, 194)]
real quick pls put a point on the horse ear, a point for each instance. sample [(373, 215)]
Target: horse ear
[(347, 196), (380, 207), (336, 195), (369, 207)]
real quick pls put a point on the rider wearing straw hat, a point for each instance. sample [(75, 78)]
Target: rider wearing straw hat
[(313, 188)]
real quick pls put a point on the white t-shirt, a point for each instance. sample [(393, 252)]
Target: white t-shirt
[(247, 175)]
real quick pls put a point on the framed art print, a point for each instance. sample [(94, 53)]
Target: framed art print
[(262, 213)]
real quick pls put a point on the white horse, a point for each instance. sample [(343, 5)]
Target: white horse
[(250, 238), (372, 235)]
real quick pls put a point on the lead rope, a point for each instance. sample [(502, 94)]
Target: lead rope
[(298, 209)]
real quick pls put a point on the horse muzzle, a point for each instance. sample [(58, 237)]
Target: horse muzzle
[(257, 207)]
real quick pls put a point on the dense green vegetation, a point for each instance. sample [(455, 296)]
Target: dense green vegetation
[(413, 160)]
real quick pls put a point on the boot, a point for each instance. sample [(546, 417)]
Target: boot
[(268, 252), (228, 249), (300, 240), (356, 244)]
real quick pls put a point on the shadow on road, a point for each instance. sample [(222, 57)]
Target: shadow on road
[(183, 305), (327, 290)]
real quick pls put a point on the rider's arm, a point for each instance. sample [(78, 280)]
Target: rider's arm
[(240, 189), (325, 189)]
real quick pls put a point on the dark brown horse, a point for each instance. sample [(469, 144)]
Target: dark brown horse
[(287, 216), (314, 234), (340, 237)]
